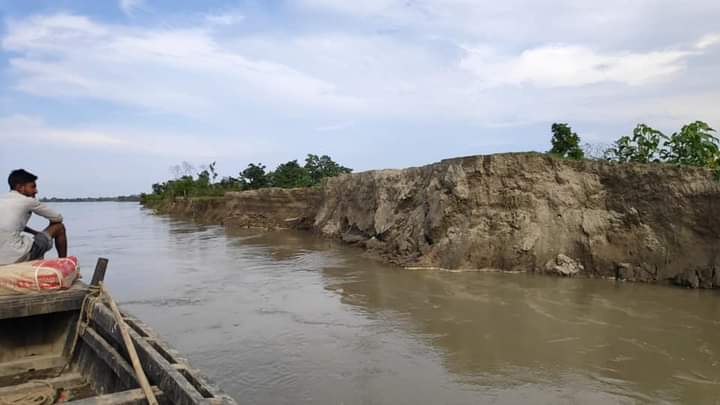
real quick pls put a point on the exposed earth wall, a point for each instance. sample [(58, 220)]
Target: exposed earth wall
[(513, 212)]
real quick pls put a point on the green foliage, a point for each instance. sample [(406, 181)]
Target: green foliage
[(321, 167), (316, 168), (290, 175), (182, 187), (151, 198), (642, 147), (205, 184), (565, 143), (254, 177), (230, 183), (694, 145)]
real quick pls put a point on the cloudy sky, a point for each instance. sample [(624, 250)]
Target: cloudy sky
[(102, 97)]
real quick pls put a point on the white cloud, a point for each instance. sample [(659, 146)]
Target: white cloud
[(524, 23), (183, 71), (34, 130), (417, 81), (571, 66), (384, 75), (334, 127), (129, 7), (220, 77), (46, 34), (224, 19), (708, 40), (356, 8)]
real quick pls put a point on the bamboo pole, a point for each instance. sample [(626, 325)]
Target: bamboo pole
[(142, 379)]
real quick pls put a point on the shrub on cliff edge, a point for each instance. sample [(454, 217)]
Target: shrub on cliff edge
[(642, 147), (565, 143), (693, 145)]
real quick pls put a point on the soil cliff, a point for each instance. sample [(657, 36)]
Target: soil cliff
[(521, 212)]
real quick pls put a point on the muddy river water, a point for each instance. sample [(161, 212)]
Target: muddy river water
[(287, 318)]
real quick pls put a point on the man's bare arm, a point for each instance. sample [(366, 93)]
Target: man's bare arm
[(45, 211)]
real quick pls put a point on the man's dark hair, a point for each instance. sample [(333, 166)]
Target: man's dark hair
[(20, 176)]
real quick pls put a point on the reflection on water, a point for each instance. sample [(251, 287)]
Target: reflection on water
[(284, 317)]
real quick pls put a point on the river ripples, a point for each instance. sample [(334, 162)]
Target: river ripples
[(284, 317)]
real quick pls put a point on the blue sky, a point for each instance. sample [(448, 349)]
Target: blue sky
[(102, 97)]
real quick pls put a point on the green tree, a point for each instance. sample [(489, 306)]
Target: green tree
[(254, 177), (694, 145), (290, 175), (159, 188), (182, 187), (642, 147), (205, 183), (323, 166), (203, 180), (229, 183), (565, 143)]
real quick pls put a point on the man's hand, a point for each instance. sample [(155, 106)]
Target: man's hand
[(30, 231)]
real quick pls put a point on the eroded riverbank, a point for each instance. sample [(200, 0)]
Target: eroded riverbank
[(513, 212)]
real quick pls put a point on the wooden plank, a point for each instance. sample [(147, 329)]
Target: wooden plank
[(158, 370), (110, 356), (22, 305), (99, 273), (65, 381), (210, 391), (72, 329), (180, 363), (129, 397), (24, 365), (130, 348)]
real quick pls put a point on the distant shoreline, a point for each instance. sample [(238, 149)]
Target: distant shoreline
[(129, 198)]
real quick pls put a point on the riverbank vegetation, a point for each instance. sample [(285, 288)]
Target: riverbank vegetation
[(693, 145), (205, 183)]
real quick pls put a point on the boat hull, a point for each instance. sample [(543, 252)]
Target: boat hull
[(41, 347)]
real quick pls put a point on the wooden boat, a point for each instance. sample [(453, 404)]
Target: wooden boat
[(46, 358)]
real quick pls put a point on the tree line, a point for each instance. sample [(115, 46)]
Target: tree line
[(694, 145), (205, 183)]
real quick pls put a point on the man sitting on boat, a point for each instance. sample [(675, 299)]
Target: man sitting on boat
[(18, 242)]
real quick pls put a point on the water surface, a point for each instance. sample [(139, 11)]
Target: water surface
[(287, 318)]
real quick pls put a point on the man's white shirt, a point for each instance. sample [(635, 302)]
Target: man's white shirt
[(15, 212)]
